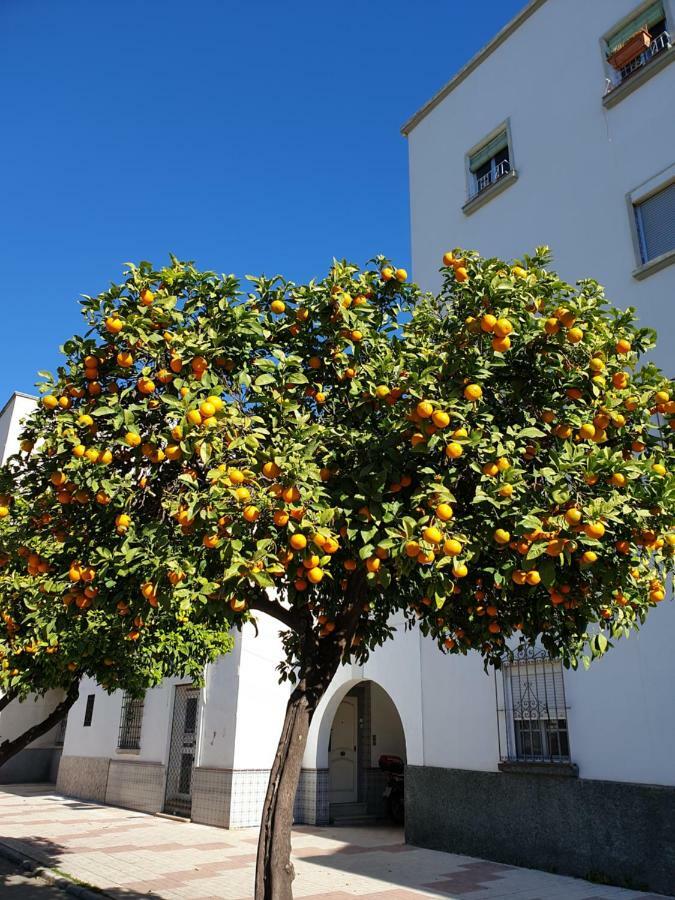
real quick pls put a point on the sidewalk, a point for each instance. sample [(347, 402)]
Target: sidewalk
[(130, 855)]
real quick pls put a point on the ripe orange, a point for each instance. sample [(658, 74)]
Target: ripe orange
[(298, 541), (502, 536), (373, 563), (387, 273), (440, 419), (251, 513), (473, 392), (133, 440), (623, 346), (444, 512), (452, 547), (503, 327), (460, 570), (277, 307), (280, 517), (573, 516), (146, 385), (401, 275), (461, 274), (432, 534), (50, 402), (114, 325), (594, 530), (424, 409), (125, 359), (454, 450), (412, 548), (488, 322), (210, 541), (315, 575), (147, 297)]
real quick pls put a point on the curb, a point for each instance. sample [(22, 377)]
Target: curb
[(32, 866)]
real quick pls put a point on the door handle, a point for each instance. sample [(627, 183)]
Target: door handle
[(342, 752)]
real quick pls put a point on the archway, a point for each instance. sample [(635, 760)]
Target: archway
[(360, 726)]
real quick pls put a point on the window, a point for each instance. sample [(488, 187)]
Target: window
[(637, 42), (489, 163), (531, 709), (89, 710), (655, 223), (60, 734), (131, 721)]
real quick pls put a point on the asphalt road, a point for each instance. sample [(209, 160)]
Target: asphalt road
[(15, 885)]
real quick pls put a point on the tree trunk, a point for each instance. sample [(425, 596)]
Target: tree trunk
[(274, 870), (8, 748)]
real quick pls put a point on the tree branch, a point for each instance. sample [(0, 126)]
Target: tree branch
[(6, 699), (8, 748), (288, 617)]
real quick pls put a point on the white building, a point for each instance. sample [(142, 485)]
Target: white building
[(39, 761), (567, 771)]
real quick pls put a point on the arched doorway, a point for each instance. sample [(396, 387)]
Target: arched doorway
[(365, 726)]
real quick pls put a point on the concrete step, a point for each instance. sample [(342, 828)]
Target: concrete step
[(345, 821), (351, 814)]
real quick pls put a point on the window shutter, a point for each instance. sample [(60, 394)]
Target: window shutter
[(656, 223), (486, 152), (646, 19)]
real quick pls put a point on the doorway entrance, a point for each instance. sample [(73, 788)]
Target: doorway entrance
[(366, 749), (343, 780), (178, 798)]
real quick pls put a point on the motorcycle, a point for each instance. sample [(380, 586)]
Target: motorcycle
[(393, 792)]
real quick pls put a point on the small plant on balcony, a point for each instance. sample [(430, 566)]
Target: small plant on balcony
[(626, 52)]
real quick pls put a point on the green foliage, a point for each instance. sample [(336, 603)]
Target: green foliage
[(332, 454)]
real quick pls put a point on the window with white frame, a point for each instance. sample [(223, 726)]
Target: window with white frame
[(489, 163), (531, 708), (655, 223), (637, 42)]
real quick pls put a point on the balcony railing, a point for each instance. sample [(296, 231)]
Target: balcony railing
[(658, 45), (491, 177)]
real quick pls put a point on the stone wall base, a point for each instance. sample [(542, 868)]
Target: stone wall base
[(30, 766), (136, 785), (84, 777), (617, 832)]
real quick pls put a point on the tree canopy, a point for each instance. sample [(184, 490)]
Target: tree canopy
[(491, 461)]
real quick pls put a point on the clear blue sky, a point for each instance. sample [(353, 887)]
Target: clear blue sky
[(248, 136)]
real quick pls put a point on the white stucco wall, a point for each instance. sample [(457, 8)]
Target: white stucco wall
[(17, 408), (576, 162), (261, 700), (385, 725), (16, 718), (575, 159)]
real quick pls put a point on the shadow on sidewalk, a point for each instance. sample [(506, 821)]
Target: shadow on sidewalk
[(48, 855)]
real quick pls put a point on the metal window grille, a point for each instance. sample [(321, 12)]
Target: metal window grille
[(655, 221), (60, 734), (131, 722), (89, 710), (531, 708)]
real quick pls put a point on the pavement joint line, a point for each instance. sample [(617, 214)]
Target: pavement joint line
[(32, 866)]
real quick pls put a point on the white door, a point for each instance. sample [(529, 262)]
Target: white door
[(342, 755)]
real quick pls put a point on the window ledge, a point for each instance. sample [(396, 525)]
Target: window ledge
[(637, 79), (127, 752), (560, 770), (654, 265), (486, 195)]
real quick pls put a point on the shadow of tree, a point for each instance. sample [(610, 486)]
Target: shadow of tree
[(28, 855)]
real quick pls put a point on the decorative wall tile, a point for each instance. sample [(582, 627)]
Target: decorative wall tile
[(136, 785), (85, 777)]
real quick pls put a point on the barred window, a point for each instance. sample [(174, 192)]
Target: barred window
[(531, 708), (131, 721), (89, 710), (60, 733), (489, 163)]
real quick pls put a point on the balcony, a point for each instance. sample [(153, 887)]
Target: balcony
[(652, 59), (490, 178)]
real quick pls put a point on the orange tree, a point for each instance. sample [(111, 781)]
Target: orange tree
[(490, 460)]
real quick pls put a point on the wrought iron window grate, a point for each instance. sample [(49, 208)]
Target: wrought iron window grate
[(531, 708), (131, 722)]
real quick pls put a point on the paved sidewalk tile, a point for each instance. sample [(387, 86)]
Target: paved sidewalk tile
[(131, 855)]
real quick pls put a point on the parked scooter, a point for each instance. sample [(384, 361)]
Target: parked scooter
[(393, 792)]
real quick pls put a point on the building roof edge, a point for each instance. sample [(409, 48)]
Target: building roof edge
[(472, 64)]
